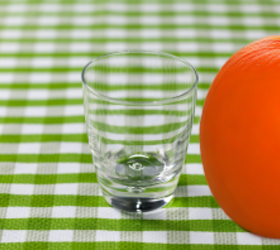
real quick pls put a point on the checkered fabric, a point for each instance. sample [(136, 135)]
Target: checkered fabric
[(49, 196)]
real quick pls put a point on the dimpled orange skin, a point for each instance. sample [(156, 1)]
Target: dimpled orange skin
[(240, 137)]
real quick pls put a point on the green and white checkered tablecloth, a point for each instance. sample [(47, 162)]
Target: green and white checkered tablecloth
[(49, 196)]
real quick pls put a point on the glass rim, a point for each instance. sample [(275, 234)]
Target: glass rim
[(137, 103)]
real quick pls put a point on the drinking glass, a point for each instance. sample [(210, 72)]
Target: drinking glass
[(139, 109)]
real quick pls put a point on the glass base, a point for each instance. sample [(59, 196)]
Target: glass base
[(139, 182), (131, 204)]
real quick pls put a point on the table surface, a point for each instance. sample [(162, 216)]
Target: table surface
[(49, 196)]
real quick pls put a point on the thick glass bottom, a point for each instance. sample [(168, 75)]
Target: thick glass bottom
[(131, 204), (139, 182)]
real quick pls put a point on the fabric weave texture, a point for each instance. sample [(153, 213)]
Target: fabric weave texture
[(49, 195)]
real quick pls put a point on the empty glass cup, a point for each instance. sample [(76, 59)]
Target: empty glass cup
[(139, 109)]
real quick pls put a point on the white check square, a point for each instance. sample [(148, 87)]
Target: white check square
[(68, 168), (111, 19), (35, 94), (81, 33), (194, 148), (184, 19), (63, 212), (10, 236), (9, 48), (6, 77), (156, 215), (198, 111), (80, 47), (67, 189), (74, 77), (115, 79), (155, 120), (103, 235), (35, 111), (7, 63), (48, 20), (32, 128), (149, 20), (192, 47), (115, 33), (201, 238), (108, 213), (152, 79), (74, 110), (218, 20), (78, 61), (245, 238), (151, 46), (183, 33), (200, 213), (40, 62), (73, 128), (155, 237), (223, 47), (61, 235), (151, 33), (9, 33), (14, 20), (25, 168), (198, 190), (44, 47), (85, 20), (25, 189), (3, 111), (29, 148), (17, 8), (195, 129), (74, 93), (40, 77), (5, 93), (219, 62), (47, 34), (194, 168), (110, 46), (255, 34), (68, 147), (220, 33), (18, 212)]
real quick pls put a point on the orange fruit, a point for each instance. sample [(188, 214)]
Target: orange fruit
[(240, 137)]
